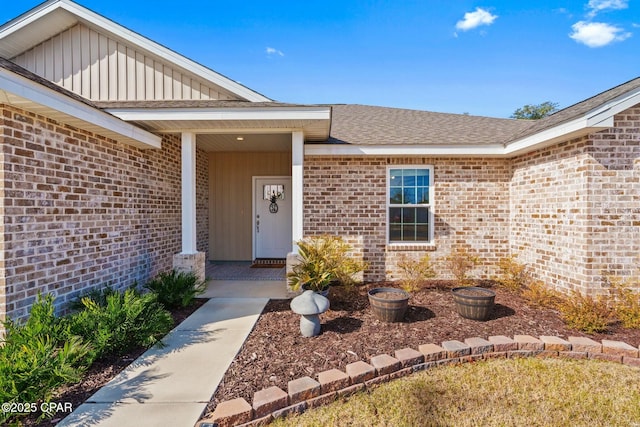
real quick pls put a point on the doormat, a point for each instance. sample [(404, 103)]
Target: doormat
[(268, 263)]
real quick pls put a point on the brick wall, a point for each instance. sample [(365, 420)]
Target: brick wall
[(82, 211), (346, 196), (575, 211)]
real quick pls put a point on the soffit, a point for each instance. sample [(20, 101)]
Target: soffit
[(249, 142), (229, 117)]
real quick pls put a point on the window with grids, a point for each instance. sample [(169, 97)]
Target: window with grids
[(409, 204)]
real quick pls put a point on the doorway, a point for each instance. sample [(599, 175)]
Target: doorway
[(272, 229)]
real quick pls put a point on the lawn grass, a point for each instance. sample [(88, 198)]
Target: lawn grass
[(514, 392)]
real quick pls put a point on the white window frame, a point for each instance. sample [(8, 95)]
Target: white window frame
[(430, 205)]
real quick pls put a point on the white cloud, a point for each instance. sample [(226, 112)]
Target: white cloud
[(597, 34), (272, 51), (475, 19), (596, 6)]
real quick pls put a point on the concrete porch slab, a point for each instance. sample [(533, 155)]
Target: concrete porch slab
[(273, 289)]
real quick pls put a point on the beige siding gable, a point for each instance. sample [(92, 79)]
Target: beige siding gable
[(100, 68)]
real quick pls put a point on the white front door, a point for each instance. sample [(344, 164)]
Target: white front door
[(272, 217)]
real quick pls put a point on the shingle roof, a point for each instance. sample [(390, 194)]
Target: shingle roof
[(368, 125), (209, 103), (8, 65), (372, 125), (580, 109)]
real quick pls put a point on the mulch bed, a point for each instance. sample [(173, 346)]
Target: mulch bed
[(102, 371), (276, 353)]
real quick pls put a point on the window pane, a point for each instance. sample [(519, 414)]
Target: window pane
[(422, 216), (408, 233), (409, 215), (422, 177), (409, 178), (395, 195), (395, 215), (395, 177), (395, 233), (409, 188), (422, 233), (409, 196)]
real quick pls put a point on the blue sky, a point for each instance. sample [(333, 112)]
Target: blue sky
[(483, 58)]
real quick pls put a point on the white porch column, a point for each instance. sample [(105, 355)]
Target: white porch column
[(297, 195), (189, 259), (297, 161), (189, 235)]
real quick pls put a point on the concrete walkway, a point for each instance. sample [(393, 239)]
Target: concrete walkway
[(171, 386)]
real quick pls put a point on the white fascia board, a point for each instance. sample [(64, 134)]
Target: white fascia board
[(163, 52), (595, 120), (490, 150), (219, 114), (572, 129), (27, 89), (26, 19)]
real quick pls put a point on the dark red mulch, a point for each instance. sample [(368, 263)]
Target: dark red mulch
[(275, 352), (102, 371)]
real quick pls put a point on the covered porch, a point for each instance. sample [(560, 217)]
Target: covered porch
[(240, 155)]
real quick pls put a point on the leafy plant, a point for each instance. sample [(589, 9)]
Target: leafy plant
[(626, 301), (127, 320), (514, 276), (324, 259), (460, 262), (414, 272), (38, 356), (99, 295), (585, 313), (176, 289), (540, 295)]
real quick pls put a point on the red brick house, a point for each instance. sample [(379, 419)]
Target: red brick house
[(121, 158)]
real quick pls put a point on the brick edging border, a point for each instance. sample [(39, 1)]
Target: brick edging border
[(306, 393)]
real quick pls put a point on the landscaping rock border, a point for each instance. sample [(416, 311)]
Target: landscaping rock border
[(306, 393)]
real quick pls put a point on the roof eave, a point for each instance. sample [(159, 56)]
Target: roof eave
[(91, 18), (225, 120), (32, 96), (595, 120), (462, 150)]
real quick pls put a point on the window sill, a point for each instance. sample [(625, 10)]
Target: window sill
[(397, 247)]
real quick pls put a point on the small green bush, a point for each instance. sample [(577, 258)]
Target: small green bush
[(126, 321), (324, 259), (38, 356), (176, 289), (585, 313), (98, 295)]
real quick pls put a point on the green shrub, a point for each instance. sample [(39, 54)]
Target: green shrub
[(585, 313), (413, 272), (99, 296), (126, 321), (176, 289), (324, 259), (39, 356)]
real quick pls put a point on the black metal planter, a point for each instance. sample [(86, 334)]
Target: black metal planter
[(473, 302), (388, 304)]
